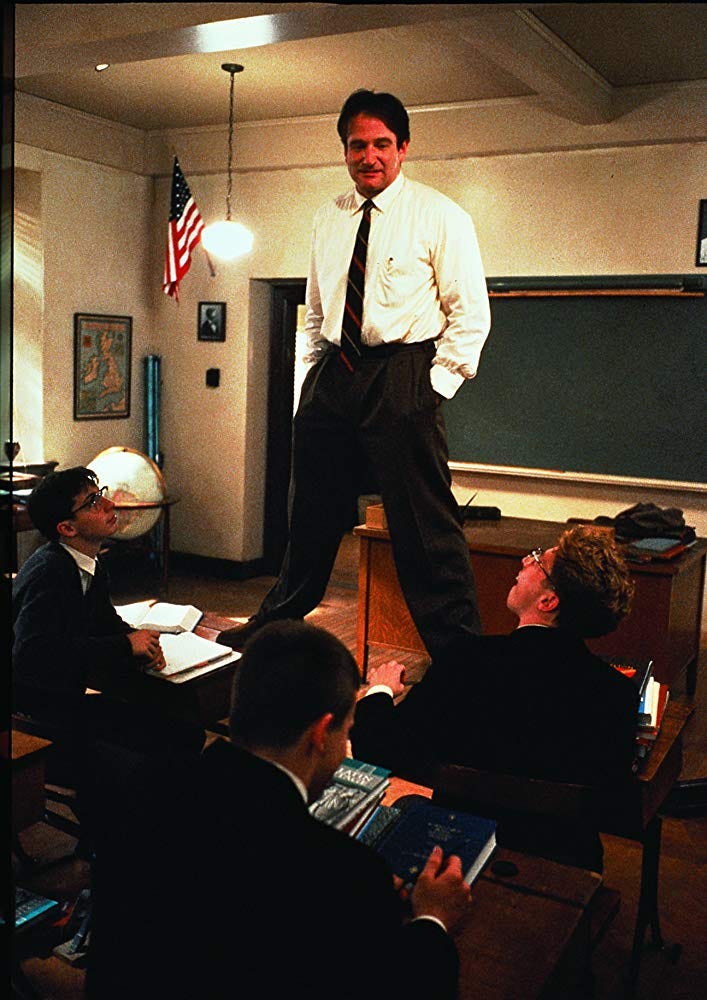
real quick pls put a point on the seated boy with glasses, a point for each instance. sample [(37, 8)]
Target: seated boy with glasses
[(535, 702), (64, 625)]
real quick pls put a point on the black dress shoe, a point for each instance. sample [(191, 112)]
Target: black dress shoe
[(237, 636)]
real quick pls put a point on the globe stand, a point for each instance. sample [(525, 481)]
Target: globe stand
[(156, 539)]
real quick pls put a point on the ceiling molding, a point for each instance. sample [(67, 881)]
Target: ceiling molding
[(564, 83), (654, 115), (235, 34)]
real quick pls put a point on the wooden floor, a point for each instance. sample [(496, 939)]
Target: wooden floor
[(683, 888)]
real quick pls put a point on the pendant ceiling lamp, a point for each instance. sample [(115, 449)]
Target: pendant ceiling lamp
[(228, 239)]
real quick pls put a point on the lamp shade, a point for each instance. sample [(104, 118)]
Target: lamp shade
[(226, 239)]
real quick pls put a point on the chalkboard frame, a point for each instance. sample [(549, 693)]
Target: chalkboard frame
[(667, 285)]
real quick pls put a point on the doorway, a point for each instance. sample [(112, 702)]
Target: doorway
[(286, 297)]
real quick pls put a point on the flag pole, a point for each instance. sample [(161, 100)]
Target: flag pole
[(212, 270)]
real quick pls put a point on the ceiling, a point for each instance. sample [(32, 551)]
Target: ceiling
[(303, 59)]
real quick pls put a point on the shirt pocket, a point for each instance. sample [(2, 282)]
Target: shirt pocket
[(400, 279)]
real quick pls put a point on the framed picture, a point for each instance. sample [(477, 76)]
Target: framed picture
[(211, 321), (701, 258), (102, 356)]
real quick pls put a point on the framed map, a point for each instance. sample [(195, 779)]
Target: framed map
[(102, 354)]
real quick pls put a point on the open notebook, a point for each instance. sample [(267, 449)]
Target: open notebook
[(187, 651)]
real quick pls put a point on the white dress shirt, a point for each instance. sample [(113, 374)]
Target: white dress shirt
[(424, 278)]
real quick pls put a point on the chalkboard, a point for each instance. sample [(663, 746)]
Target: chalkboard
[(600, 376)]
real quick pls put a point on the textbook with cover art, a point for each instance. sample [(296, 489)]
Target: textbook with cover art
[(352, 794), (160, 616), (407, 843)]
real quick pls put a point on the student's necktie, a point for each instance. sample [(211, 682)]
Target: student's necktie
[(353, 308)]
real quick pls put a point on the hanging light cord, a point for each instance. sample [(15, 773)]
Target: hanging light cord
[(228, 239), (229, 183)]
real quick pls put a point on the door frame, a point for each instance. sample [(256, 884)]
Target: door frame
[(285, 296)]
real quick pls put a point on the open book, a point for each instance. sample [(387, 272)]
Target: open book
[(186, 651), (162, 617)]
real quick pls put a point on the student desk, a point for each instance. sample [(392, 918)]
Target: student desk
[(29, 754), (634, 816), (664, 623), (204, 699), (522, 930)]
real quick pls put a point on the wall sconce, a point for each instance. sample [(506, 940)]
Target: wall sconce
[(227, 239)]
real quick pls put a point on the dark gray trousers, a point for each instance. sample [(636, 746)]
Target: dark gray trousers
[(387, 414)]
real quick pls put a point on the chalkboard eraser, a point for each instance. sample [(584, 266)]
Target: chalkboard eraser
[(479, 513)]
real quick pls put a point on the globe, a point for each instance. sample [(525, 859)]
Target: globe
[(132, 479)]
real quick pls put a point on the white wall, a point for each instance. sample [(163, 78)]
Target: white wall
[(579, 212), (28, 308), (96, 225), (609, 210)]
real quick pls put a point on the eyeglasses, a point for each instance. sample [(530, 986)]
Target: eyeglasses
[(537, 555), (91, 501)]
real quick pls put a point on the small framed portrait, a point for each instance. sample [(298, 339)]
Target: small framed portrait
[(211, 321), (102, 357), (701, 258)]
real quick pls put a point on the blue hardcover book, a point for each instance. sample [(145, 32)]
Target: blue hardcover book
[(407, 845), (382, 819)]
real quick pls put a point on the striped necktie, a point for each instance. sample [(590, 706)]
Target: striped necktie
[(353, 308)]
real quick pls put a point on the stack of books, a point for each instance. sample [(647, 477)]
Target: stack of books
[(651, 549), (653, 699), (352, 795), (402, 835), (651, 711)]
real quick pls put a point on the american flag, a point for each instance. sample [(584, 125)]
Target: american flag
[(183, 232)]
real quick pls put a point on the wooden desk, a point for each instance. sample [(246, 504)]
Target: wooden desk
[(664, 624), (635, 815), (205, 699), (29, 755), (520, 929)]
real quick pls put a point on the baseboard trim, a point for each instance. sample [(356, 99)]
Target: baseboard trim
[(223, 569)]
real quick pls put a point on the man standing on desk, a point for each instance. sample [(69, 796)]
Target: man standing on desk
[(391, 331)]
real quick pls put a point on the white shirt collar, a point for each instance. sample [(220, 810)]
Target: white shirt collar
[(84, 562), (383, 200)]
